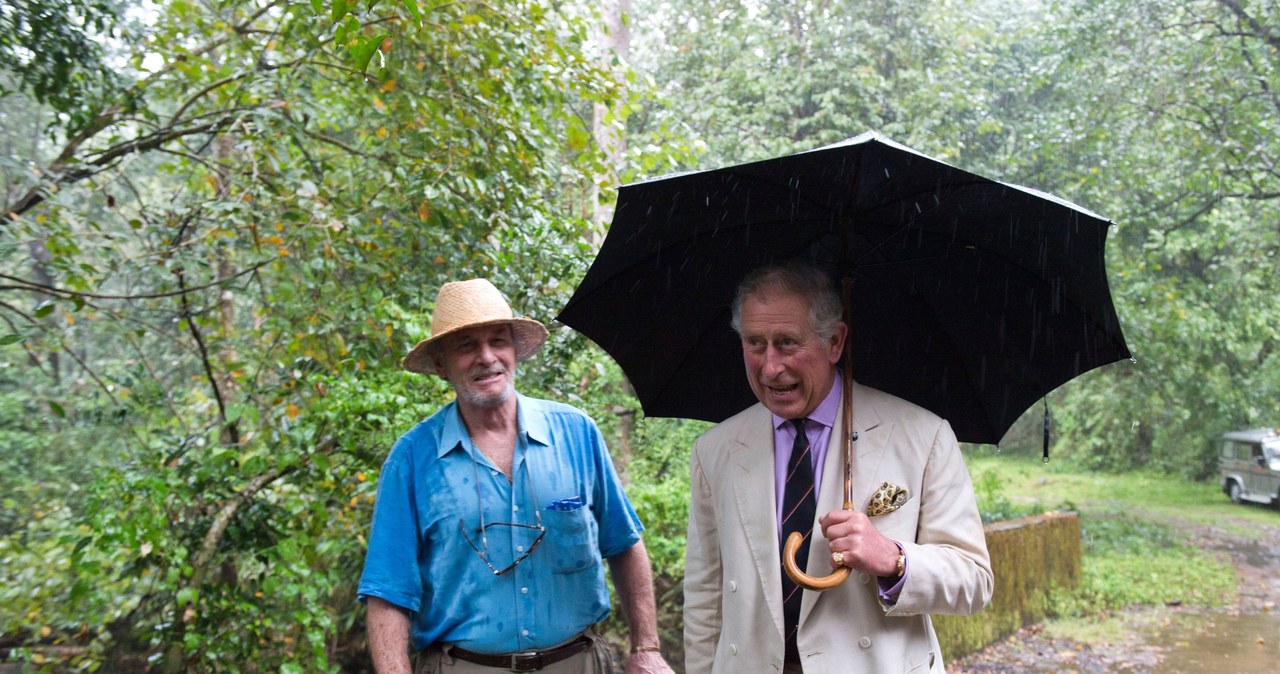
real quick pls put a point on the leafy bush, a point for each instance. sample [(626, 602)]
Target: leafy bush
[(993, 505)]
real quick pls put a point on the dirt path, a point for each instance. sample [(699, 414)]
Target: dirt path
[(1243, 637)]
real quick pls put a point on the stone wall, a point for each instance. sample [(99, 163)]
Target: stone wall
[(1029, 557)]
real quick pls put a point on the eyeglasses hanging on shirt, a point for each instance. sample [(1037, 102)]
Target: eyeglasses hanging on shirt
[(483, 530)]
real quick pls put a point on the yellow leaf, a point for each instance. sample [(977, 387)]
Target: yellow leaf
[(424, 211), (377, 103), (361, 476), (282, 251), (291, 410), (382, 132), (71, 320), (389, 85), (45, 630)]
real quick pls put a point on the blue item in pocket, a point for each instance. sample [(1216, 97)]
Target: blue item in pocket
[(566, 504)]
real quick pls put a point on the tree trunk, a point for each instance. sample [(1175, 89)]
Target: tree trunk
[(608, 126)]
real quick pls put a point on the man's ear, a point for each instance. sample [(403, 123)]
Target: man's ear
[(837, 342)]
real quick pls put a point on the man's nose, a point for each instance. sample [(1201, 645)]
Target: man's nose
[(773, 364)]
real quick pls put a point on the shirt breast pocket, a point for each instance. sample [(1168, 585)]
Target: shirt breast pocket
[(571, 539)]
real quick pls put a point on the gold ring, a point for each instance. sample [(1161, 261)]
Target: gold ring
[(838, 558)]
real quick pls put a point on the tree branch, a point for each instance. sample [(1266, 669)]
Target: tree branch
[(232, 431), (40, 287)]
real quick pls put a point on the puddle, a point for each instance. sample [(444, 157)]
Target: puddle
[(1211, 643), (1254, 554)]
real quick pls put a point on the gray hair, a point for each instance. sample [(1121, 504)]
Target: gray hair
[(793, 278)]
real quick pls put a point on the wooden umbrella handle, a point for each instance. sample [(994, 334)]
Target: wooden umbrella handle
[(799, 576)]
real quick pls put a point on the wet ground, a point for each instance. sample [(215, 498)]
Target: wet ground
[(1244, 637)]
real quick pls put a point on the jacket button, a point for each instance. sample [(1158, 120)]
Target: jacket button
[(733, 649), (865, 642), (733, 587)]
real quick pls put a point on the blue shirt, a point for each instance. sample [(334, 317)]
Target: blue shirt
[(434, 478)]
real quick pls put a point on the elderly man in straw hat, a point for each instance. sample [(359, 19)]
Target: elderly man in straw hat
[(494, 517)]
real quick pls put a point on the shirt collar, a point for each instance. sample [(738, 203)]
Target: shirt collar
[(454, 432), (827, 411)]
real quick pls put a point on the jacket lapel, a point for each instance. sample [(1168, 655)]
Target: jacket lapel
[(758, 513)]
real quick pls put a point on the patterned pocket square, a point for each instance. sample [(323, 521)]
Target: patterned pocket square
[(888, 498)]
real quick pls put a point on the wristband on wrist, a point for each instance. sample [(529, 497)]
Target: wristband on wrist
[(645, 649)]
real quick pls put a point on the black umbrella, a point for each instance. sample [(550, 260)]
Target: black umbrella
[(970, 297)]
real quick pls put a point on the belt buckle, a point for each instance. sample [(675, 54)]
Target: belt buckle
[(528, 661)]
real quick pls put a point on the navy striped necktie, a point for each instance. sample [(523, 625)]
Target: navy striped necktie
[(798, 511)]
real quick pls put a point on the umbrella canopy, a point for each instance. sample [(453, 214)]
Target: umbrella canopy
[(971, 297)]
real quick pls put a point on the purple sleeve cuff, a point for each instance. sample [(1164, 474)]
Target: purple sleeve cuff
[(891, 586)]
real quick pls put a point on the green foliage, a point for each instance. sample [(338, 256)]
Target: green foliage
[(993, 505), (1131, 562), (795, 76), (205, 338), (53, 51), (1132, 553)]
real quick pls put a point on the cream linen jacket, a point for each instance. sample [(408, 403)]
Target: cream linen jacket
[(733, 582)]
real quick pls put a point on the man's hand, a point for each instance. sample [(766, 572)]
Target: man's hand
[(865, 549), (647, 662)]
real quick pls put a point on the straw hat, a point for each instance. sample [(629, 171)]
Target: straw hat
[(469, 304)]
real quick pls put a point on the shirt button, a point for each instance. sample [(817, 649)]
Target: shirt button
[(519, 548), (733, 587), (733, 649), (515, 508), (526, 633), (524, 590), (865, 642)]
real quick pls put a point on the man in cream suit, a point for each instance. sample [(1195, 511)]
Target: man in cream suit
[(919, 549)]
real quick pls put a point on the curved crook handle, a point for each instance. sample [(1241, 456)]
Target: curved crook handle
[(799, 576)]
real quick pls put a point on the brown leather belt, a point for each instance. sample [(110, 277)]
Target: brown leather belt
[(527, 661)]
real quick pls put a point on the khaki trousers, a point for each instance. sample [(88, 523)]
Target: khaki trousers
[(598, 659)]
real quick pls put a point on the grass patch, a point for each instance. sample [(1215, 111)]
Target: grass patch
[(1134, 555), (1029, 483)]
